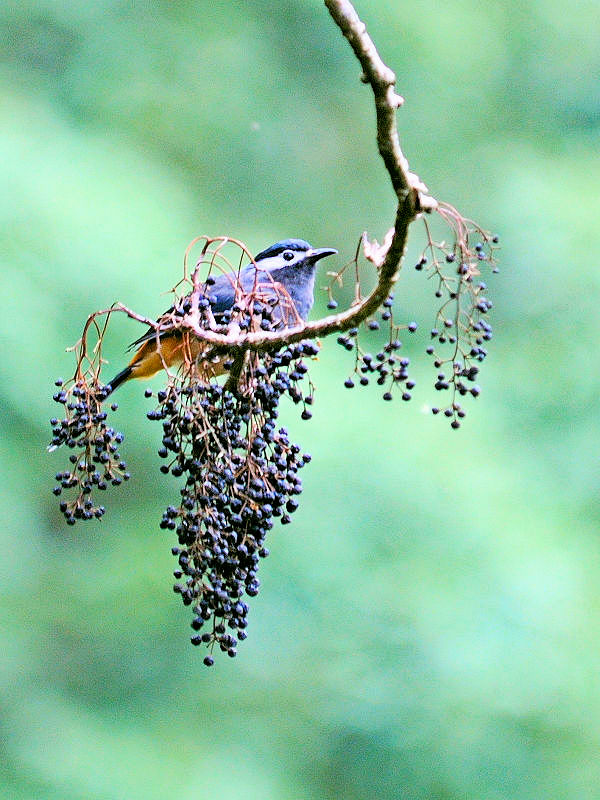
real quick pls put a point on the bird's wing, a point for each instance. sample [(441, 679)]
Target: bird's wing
[(222, 297)]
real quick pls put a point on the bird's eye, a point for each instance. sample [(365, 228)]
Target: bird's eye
[(287, 255)]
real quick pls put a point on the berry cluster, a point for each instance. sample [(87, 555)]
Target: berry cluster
[(461, 330), (239, 469), (387, 367), (240, 472), (95, 462)]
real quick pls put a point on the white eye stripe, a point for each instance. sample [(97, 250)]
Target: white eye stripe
[(276, 262)]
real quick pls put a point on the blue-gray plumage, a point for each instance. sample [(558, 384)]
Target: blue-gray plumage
[(289, 264)]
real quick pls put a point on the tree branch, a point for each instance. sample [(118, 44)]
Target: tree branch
[(383, 82), (410, 191), (412, 200)]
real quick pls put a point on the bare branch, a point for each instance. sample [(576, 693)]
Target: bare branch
[(383, 82), (410, 191), (412, 200)]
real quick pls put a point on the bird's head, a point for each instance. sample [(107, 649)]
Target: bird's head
[(291, 263), (294, 253)]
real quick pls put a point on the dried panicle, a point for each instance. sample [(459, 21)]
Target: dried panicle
[(388, 369), (95, 461), (461, 329), (239, 473)]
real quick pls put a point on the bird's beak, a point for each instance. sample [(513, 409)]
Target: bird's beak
[(320, 252)]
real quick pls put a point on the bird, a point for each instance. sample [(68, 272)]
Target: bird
[(282, 275)]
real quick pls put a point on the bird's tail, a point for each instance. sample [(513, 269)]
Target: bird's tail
[(122, 376)]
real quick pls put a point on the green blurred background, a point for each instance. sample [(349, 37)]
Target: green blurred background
[(428, 626)]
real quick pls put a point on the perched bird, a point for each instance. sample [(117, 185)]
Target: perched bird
[(283, 275)]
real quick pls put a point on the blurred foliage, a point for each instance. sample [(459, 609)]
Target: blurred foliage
[(428, 626)]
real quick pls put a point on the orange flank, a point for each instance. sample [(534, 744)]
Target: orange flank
[(173, 350)]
